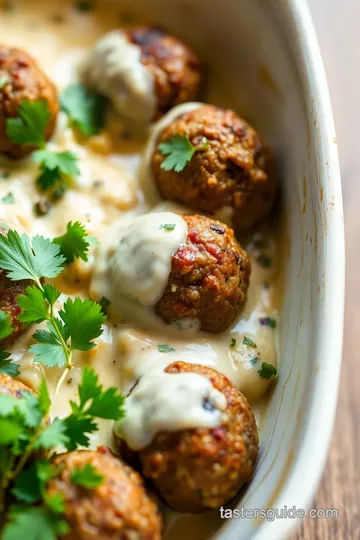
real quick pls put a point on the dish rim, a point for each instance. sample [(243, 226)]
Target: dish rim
[(311, 458)]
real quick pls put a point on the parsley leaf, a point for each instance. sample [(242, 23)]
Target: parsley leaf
[(74, 243), (179, 151), (53, 165), (84, 319), (87, 477), (53, 435), (34, 523), (164, 347), (268, 321), (33, 306), (8, 199), (85, 109), (29, 260), (267, 371), (8, 367), (168, 226), (30, 125), (6, 327), (249, 342)]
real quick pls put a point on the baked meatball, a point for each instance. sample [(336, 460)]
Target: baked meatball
[(175, 68), (234, 171), (209, 277), (12, 387), (24, 80), (9, 291), (143, 71), (118, 508), (198, 469)]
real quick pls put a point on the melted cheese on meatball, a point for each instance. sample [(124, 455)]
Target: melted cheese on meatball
[(113, 68), (169, 402)]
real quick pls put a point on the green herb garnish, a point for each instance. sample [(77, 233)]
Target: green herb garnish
[(247, 341), (233, 343), (267, 371), (74, 243), (268, 321), (104, 303), (165, 348), (7, 366), (30, 125), (8, 199), (85, 109), (179, 151), (54, 166), (87, 477), (168, 226)]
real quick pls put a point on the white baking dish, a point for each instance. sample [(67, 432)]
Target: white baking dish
[(267, 52)]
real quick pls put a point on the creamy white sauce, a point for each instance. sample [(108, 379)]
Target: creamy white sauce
[(169, 402), (113, 67), (133, 265), (146, 177)]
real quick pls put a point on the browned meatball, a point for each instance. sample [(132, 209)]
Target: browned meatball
[(235, 171), (209, 277), (118, 508), (9, 291), (24, 81), (198, 469), (12, 387), (175, 68)]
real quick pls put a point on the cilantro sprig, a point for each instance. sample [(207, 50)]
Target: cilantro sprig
[(55, 168), (24, 429), (179, 151), (29, 127), (85, 109)]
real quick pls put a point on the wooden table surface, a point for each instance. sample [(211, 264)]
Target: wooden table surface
[(337, 25)]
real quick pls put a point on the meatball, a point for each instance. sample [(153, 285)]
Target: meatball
[(198, 469), (143, 71), (174, 67), (234, 171), (9, 291), (209, 277), (118, 508), (12, 387), (24, 80)]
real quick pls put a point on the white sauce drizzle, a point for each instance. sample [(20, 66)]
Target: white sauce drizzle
[(134, 265), (114, 68), (169, 402)]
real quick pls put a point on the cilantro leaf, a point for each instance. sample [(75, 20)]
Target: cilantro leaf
[(51, 293), (104, 303), (10, 431), (179, 151), (29, 260), (89, 386), (85, 109), (8, 367), (43, 396), (30, 125), (49, 350), (87, 477), (8, 199), (55, 503), (233, 343), (267, 371), (53, 165), (28, 486), (249, 342), (83, 319), (78, 427), (53, 435), (168, 226), (6, 327), (108, 404), (74, 243), (164, 347), (33, 305), (34, 523)]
